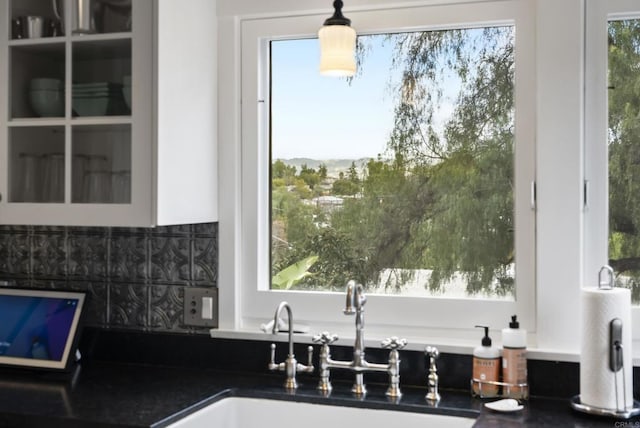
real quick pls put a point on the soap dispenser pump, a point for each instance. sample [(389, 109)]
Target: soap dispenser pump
[(486, 367)]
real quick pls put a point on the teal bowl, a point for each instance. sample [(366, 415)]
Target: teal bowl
[(90, 106), (47, 102), (45, 83)]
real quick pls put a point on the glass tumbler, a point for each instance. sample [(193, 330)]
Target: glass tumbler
[(79, 166), (54, 177), (30, 187), (97, 180), (121, 187), (97, 186)]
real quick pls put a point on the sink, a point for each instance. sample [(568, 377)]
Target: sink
[(239, 412)]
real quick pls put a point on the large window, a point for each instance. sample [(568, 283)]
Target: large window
[(613, 142), (433, 193), (400, 177), (623, 142)]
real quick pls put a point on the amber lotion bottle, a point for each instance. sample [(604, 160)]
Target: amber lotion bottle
[(514, 360), (486, 367)]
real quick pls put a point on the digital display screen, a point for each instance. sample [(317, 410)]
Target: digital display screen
[(38, 330)]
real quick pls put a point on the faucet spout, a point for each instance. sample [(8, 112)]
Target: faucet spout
[(290, 365), (356, 300), (276, 317)]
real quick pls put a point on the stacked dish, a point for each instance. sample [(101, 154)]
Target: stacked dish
[(97, 99), (126, 90), (46, 96)]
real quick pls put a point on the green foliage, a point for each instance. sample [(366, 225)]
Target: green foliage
[(624, 151), (468, 224), (309, 176), (293, 274), (291, 219), (279, 169), (322, 171), (442, 197), (338, 260), (344, 187)]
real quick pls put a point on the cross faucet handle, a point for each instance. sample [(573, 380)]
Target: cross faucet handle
[(432, 380), (394, 343), (325, 338), (431, 352)]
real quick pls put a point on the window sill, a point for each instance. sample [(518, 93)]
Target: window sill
[(445, 345)]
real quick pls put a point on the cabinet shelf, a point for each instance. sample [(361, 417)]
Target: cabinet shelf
[(101, 48), (47, 121), (39, 43), (35, 122)]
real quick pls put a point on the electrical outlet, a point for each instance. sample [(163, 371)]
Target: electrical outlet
[(201, 307)]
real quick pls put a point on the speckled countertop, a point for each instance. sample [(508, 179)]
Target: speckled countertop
[(151, 380), (121, 395)]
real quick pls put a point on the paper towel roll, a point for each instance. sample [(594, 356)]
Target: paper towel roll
[(597, 381)]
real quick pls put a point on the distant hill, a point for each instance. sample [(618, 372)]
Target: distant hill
[(334, 166)]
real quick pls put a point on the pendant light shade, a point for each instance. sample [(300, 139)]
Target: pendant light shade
[(337, 45)]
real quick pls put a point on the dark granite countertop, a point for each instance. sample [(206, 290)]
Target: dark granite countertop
[(133, 395)]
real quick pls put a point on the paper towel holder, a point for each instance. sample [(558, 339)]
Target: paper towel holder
[(615, 365), (609, 283), (576, 404), (615, 362)]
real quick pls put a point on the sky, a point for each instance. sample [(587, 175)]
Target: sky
[(323, 117)]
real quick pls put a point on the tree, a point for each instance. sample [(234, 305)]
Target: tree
[(344, 187), (281, 170), (382, 223), (309, 176), (624, 151), (322, 171), (352, 173), (441, 197), (338, 260), (466, 165)]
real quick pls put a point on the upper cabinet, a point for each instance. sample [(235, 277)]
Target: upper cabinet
[(109, 112)]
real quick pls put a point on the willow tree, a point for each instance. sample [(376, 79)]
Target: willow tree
[(446, 201), (624, 152)]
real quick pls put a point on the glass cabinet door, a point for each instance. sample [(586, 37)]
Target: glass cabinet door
[(101, 164), (69, 127), (36, 164), (100, 127)]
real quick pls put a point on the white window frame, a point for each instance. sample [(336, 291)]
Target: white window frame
[(252, 303), (562, 266), (598, 15)]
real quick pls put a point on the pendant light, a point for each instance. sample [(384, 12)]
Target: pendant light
[(337, 45)]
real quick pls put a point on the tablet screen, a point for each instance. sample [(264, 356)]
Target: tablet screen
[(38, 328)]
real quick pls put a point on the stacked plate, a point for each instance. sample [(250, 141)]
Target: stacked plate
[(98, 99), (126, 90)]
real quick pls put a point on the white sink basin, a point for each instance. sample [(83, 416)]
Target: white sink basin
[(236, 412)]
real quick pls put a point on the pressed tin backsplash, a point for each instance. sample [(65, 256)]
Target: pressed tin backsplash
[(135, 277)]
